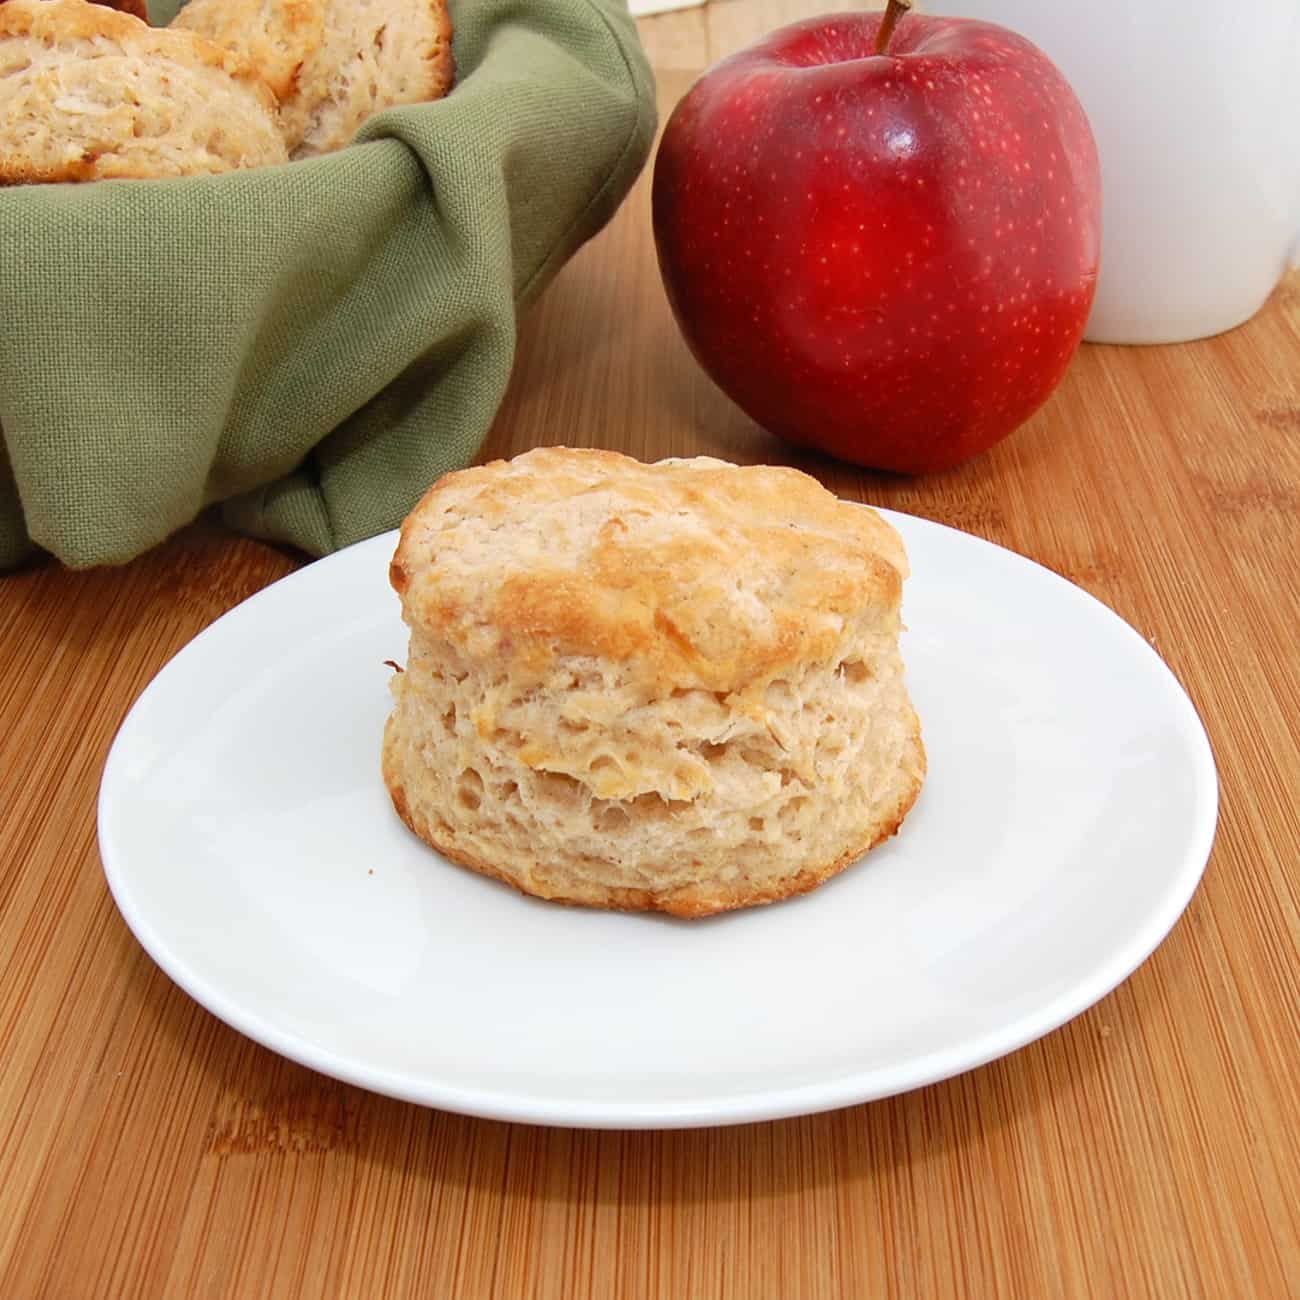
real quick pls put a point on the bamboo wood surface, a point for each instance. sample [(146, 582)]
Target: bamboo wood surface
[(1149, 1148)]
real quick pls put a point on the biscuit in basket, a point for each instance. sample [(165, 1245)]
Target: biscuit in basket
[(333, 63), (87, 93), (274, 36), (673, 687)]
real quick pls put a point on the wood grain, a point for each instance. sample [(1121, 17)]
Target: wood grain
[(1149, 1148)]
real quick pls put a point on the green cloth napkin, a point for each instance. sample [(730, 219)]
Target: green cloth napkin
[(310, 345)]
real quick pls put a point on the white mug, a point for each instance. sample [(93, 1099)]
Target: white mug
[(1195, 105)]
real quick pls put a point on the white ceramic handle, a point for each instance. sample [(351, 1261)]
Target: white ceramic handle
[(643, 8)]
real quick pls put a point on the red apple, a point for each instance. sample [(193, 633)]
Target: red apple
[(889, 257)]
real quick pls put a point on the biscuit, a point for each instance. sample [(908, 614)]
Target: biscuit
[(673, 687), (87, 93), (274, 36), (333, 63)]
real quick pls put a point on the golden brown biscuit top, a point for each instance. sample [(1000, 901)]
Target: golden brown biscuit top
[(274, 36), (693, 573), (74, 23)]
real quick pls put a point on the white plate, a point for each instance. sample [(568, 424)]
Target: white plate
[(249, 842)]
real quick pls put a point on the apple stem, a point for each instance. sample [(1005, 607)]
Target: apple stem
[(893, 12)]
